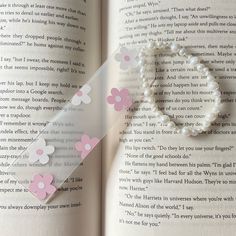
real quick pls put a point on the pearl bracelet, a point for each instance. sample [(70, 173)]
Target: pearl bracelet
[(193, 61)]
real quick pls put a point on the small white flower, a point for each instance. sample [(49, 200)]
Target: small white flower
[(82, 96), (39, 151), (127, 58)]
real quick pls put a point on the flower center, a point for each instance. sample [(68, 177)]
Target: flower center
[(41, 185), (118, 98), (39, 152), (88, 147), (79, 93), (127, 58)]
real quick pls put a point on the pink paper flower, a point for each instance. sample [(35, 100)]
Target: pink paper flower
[(82, 96), (120, 98), (39, 151), (41, 186), (127, 58), (86, 145)]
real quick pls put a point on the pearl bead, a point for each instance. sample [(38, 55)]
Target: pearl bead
[(194, 132), (210, 78), (158, 113), (143, 70), (142, 62), (151, 45), (205, 125), (141, 54), (186, 131), (151, 100), (159, 44), (216, 93), (145, 85), (171, 124), (213, 85), (182, 52), (193, 61), (211, 116), (147, 92), (174, 47), (200, 67), (164, 119)]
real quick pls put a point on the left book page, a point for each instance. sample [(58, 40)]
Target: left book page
[(47, 50)]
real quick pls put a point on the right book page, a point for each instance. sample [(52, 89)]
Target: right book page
[(156, 181)]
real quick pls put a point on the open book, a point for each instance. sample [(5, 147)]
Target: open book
[(141, 181)]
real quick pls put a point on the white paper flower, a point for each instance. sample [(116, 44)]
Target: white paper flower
[(39, 151), (127, 58), (82, 96)]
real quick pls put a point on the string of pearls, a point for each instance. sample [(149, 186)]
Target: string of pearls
[(194, 62)]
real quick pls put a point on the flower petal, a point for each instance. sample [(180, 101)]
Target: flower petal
[(47, 179), (124, 50), (79, 147), (118, 106), (49, 149), (33, 157), (124, 92), (76, 100), (86, 89), (118, 57), (94, 141), (124, 65), (111, 99), (86, 99), (85, 139), (41, 143), (115, 92), (44, 159), (41, 194), (51, 189)]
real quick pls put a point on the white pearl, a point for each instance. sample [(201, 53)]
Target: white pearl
[(210, 78), (217, 93), (147, 92), (141, 54), (175, 47), (154, 109), (182, 52), (151, 100), (143, 70), (151, 45), (171, 124), (205, 125), (211, 116), (194, 132), (142, 62), (158, 113), (164, 119), (159, 44), (186, 131), (193, 61), (145, 85), (213, 85), (200, 67)]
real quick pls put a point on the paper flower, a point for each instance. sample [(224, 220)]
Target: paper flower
[(41, 186), (38, 151), (127, 58), (120, 98), (86, 145), (82, 96)]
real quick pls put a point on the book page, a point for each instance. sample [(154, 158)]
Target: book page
[(157, 182), (47, 50)]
